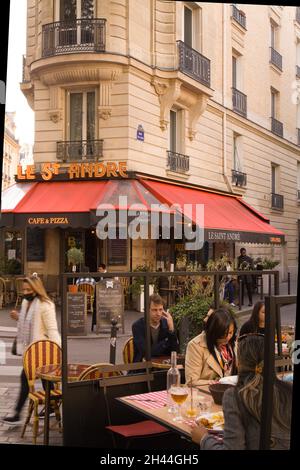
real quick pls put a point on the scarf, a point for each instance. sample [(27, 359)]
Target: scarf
[(225, 358), (25, 325)]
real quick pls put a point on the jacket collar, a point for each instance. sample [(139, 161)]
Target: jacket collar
[(211, 361)]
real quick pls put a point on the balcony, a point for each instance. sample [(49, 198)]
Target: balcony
[(239, 16), (277, 201), (177, 162), (83, 150), (238, 178), (298, 14), (193, 64), (239, 102), (276, 58), (276, 127), (65, 37), (297, 71)]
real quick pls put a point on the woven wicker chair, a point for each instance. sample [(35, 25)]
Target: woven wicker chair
[(38, 354), (128, 351), (94, 372), (90, 291)]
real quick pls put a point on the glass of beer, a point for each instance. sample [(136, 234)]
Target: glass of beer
[(179, 394)]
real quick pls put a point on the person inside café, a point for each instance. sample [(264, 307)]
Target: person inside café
[(245, 262), (242, 405), (211, 355), (163, 334), (256, 322), (101, 269), (36, 321)]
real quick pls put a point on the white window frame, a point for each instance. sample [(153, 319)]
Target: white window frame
[(196, 24), (276, 189), (237, 154), (180, 130), (78, 9)]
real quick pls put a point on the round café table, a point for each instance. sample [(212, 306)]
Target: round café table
[(53, 374)]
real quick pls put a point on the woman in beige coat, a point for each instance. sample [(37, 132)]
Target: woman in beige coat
[(211, 355), (36, 321)]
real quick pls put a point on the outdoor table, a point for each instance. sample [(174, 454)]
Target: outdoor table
[(164, 362), (154, 405), (53, 374)]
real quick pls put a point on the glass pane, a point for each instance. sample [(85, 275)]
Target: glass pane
[(273, 179), (87, 9), (12, 262), (90, 116), (234, 72), (67, 10), (76, 116), (73, 239), (172, 131), (188, 15)]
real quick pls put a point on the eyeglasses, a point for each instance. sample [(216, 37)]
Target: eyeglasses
[(246, 335)]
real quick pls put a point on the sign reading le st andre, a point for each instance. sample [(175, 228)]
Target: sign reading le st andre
[(75, 170)]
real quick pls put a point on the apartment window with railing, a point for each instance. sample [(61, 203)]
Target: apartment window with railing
[(276, 198), (239, 177), (276, 125), (275, 56), (238, 15), (239, 99), (192, 26), (81, 143), (176, 160)]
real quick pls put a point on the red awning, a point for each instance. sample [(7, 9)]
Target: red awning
[(226, 218)]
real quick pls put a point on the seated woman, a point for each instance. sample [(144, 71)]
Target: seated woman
[(242, 405), (256, 323), (210, 355)]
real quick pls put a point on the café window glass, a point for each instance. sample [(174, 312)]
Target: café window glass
[(73, 239), (13, 251)]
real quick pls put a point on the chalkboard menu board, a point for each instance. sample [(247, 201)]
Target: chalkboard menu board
[(35, 244), (77, 312), (109, 304)]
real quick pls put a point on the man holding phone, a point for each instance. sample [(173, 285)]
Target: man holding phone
[(163, 335)]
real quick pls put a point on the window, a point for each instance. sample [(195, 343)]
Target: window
[(81, 120), (13, 252), (70, 10), (75, 32), (298, 180), (273, 36), (237, 152), (176, 135), (234, 71), (275, 178), (192, 26), (274, 100)]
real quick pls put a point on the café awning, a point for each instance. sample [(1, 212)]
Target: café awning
[(226, 217)]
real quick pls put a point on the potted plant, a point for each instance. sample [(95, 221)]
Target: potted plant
[(75, 258)]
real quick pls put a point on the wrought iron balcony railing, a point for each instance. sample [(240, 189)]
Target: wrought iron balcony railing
[(239, 16), (298, 14), (277, 201), (82, 150), (194, 64), (239, 102), (298, 71), (238, 178), (276, 58), (82, 35), (178, 162), (276, 127)]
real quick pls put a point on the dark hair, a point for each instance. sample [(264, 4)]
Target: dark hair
[(217, 327), (250, 381), (243, 249), (254, 319), (102, 265), (156, 299)]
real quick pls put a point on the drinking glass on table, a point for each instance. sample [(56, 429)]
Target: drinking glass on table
[(179, 394)]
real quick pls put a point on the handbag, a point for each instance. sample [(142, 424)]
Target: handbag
[(14, 347)]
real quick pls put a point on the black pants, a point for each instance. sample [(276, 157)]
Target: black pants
[(25, 390), (247, 282)]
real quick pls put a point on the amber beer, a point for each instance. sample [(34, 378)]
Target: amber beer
[(179, 395)]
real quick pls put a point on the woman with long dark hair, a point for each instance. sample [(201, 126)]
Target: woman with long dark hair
[(256, 323), (210, 355), (242, 405)]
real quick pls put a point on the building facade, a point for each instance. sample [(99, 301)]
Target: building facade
[(198, 94), (11, 150)]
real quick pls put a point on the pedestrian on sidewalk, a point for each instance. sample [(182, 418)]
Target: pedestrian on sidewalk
[(246, 263), (36, 321)]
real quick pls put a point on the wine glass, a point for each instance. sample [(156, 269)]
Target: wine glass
[(179, 394)]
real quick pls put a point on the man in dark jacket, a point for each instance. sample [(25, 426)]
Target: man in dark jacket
[(245, 262), (163, 335)]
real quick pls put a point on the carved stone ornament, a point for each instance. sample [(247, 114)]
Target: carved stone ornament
[(195, 111), (55, 115), (168, 92), (104, 113)]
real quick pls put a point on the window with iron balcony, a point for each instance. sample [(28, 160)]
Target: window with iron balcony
[(239, 16)]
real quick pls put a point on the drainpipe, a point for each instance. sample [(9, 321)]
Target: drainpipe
[(224, 121)]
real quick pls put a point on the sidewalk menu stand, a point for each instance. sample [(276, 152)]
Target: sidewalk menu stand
[(77, 313), (109, 304)]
